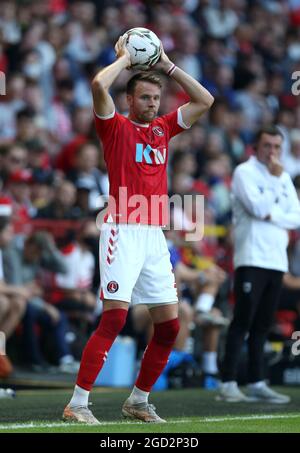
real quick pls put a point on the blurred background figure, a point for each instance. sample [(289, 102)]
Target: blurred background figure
[(23, 264)]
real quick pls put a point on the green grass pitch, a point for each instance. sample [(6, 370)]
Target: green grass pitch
[(186, 411)]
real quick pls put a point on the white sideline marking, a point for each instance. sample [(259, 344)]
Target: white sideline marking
[(202, 420), (63, 424), (248, 417)]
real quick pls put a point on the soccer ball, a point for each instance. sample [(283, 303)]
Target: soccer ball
[(144, 48)]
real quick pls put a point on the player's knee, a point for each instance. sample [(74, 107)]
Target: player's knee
[(112, 322), (166, 332), (4, 306), (18, 305), (186, 313)]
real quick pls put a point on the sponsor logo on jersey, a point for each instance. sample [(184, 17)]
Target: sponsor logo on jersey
[(158, 131), (150, 155), (112, 287)]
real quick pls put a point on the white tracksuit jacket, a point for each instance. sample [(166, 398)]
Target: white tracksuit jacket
[(256, 194)]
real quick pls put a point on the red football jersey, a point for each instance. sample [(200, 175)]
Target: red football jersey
[(136, 156)]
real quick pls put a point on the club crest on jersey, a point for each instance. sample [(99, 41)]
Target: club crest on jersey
[(112, 287), (145, 154), (158, 131)]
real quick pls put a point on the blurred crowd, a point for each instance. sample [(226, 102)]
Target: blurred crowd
[(52, 170)]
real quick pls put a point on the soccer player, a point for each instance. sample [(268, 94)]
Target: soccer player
[(265, 206), (134, 259)]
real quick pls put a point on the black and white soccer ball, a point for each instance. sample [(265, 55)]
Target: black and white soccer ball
[(144, 48)]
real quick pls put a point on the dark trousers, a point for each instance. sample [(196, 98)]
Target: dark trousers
[(257, 293), (35, 316)]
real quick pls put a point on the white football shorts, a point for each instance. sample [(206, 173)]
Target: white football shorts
[(135, 265)]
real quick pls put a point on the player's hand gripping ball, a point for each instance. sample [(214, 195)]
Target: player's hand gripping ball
[(144, 48)]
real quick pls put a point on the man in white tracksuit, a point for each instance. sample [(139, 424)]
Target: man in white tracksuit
[(265, 206)]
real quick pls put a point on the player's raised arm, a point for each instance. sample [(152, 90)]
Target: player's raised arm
[(201, 99), (103, 103)]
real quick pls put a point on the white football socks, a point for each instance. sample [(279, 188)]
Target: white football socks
[(80, 397), (227, 385), (66, 359), (138, 396), (209, 362), (205, 302), (257, 385)]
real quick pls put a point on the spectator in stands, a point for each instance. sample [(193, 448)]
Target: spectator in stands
[(13, 298), (204, 287), (14, 157), (23, 264), (42, 190), (38, 158), (26, 126), (18, 189), (59, 115), (84, 38), (62, 205), (235, 143), (296, 182), (218, 175), (73, 288), (222, 85), (291, 159), (250, 99), (82, 125), (288, 307), (90, 238), (221, 20), (82, 121), (85, 173), (10, 105), (290, 294)]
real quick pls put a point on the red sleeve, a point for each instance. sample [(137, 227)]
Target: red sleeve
[(107, 129), (171, 124)]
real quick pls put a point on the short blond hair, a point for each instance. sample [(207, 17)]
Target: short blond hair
[(149, 77)]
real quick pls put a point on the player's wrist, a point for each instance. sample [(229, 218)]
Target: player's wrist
[(170, 68), (125, 60)]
